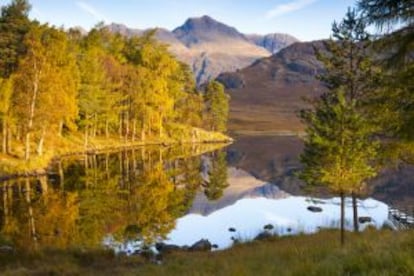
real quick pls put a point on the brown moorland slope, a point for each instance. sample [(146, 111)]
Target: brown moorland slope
[(266, 95)]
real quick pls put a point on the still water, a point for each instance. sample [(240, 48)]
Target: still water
[(136, 197)]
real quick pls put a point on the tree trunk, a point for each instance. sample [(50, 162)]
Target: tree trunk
[(60, 131), (142, 131), (4, 138), (355, 209), (342, 218), (95, 125), (31, 111), (32, 225), (43, 184), (127, 126), (27, 146), (120, 126), (106, 128), (86, 137), (160, 126), (41, 141), (134, 129), (9, 140), (61, 176)]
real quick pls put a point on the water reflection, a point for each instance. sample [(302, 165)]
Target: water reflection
[(133, 194)]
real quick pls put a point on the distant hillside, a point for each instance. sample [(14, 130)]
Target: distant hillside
[(272, 42), (210, 47), (266, 95)]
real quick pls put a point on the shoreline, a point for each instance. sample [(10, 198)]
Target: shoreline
[(97, 146)]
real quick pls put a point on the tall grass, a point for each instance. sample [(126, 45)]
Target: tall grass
[(369, 253)]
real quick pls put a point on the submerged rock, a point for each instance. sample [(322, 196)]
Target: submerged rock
[(231, 229), (268, 227), (201, 245)]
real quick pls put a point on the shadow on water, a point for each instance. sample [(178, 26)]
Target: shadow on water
[(134, 194)]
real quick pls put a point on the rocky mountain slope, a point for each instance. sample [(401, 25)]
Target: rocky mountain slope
[(210, 47), (272, 42)]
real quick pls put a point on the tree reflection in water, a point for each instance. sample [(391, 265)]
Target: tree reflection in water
[(134, 194)]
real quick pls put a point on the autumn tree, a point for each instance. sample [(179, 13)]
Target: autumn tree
[(14, 24)]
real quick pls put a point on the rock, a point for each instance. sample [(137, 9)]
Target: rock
[(6, 249), (314, 209), (364, 219), (231, 229), (201, 245), (268, 227), (263, 236), (215, 246), (167, 248), (289, 229)]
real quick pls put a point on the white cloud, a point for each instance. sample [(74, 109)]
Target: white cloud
[(92, 11), (288, 7)]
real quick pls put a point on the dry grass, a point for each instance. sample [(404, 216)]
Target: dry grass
[(370, 253)]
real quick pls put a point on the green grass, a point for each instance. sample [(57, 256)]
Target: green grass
[(369, 253)]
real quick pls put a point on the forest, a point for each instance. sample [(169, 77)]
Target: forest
[(62, 89)]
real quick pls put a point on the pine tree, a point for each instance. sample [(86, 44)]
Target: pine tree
[(217, 102), (394, 20), (339, 149)]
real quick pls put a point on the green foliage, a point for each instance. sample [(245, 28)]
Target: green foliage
[(394, 101), (217, 181), (339, 146), (217, 106), (338, 150)]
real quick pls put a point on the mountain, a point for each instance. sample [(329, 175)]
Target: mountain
[(272, 42), (210, 47), (203, 30), (266, 95), (124, 30), (216, 47)]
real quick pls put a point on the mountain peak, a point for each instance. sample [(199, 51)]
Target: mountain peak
[(205, 29)]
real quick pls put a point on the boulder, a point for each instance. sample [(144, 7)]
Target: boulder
[(314, 209), (232, 229), (201, 245), (364, 219), (263, 236)]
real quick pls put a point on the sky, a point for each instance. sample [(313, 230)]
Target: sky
[(304, 19)]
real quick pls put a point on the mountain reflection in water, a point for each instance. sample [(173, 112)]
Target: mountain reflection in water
[(133, 198)]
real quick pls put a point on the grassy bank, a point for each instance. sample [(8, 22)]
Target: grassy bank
[(370, 253), (75, 144)]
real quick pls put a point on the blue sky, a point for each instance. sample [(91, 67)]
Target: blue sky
[(305, 19)]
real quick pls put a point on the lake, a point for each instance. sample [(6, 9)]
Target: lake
[(179, 195)]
